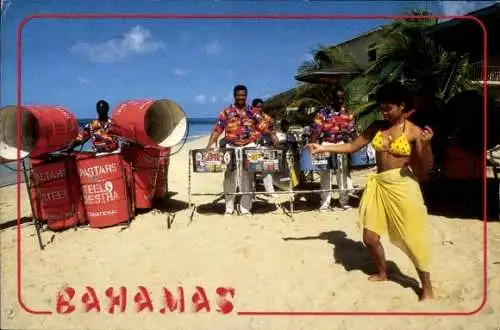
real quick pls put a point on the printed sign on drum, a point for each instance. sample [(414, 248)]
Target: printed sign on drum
[(262, 159), (318, 162), (212, 160), (320, 159)]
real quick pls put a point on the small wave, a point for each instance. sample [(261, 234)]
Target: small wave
[(194, 137)]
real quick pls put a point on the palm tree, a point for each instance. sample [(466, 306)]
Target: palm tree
[(310, 95), (410, 55), (407, 54)]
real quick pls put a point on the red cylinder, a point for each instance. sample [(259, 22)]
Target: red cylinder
[(162, 179), (55, 193), (149, 122), (44, 129), (144, 164), (104, 189), (460, 163)]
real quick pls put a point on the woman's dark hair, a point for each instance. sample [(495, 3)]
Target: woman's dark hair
[(395, 93), (256, 101)]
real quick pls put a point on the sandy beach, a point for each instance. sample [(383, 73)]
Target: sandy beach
[(313, 262)]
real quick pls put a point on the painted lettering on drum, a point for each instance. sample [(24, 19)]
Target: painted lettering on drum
[(100, 193), (103, 213), (54, 195), (104, 189), (98, 170), (49, 175), (55, 199)]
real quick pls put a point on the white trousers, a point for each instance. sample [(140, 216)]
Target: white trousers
[(326, 183), (268, 183), (246, 181)]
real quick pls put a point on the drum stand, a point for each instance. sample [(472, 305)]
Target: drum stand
[(37, 223), (221, 195), (341, 174)]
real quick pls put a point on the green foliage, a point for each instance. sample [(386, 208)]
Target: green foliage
[(407, 53)]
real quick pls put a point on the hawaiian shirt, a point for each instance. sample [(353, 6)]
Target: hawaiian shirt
[(98, 131), (333, 126), (267, 126), (241, 126)]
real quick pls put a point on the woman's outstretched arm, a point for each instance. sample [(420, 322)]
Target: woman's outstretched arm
[(346, 148)]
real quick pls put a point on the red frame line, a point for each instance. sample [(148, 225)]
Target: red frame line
[(25, 20)]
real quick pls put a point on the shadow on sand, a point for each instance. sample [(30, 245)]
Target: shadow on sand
[(13, 223), (259, 206), (353, 255), (312, 201), (166, 205)]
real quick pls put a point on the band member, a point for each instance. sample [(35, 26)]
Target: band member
[(98, 131), (334, 125), (283, 134), (392, 201), (268, 139), (243, 127)]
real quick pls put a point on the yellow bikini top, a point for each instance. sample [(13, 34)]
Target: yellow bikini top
[(399, 146)]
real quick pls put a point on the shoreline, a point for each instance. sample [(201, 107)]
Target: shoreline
[(8, 171)]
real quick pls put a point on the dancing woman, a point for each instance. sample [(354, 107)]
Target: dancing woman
[(392, 201)]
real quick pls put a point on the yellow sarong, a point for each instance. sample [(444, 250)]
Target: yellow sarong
[(393, 203)]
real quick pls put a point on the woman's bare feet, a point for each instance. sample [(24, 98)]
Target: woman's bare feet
[(378, 277), (426, 294)]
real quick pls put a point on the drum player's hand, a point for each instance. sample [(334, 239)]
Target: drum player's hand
[(314, 148)]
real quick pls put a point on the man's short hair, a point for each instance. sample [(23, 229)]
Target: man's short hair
[(256, 101), (240, 88)]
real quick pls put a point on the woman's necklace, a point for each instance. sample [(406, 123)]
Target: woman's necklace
[(387, 137)]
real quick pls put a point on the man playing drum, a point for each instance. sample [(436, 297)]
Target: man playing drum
[(334, 125), (267, 140), (243, 127), (99, 131)]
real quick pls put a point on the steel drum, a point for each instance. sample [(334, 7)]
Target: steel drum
[(263, 159), (364, 157), (213, 160), (319, 162)]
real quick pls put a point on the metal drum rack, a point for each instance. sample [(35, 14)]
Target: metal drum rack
[(238, 167)]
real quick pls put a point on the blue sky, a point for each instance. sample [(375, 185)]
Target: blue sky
[(194, 62)]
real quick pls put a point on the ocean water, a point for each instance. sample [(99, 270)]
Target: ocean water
[(197, 128)]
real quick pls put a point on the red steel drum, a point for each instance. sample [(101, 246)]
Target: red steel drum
[(104, 188), (55, 192), (44, 129), (460, 163), (162, 179), (159, 123), (144, 164)]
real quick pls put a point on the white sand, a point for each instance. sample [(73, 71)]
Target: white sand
[(267, 272)]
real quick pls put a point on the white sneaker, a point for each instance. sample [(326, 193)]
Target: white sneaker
[(324, 208), (228, 213), (246, 213)]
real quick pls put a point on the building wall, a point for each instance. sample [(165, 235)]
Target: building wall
[(363, 49), (359, 47)]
